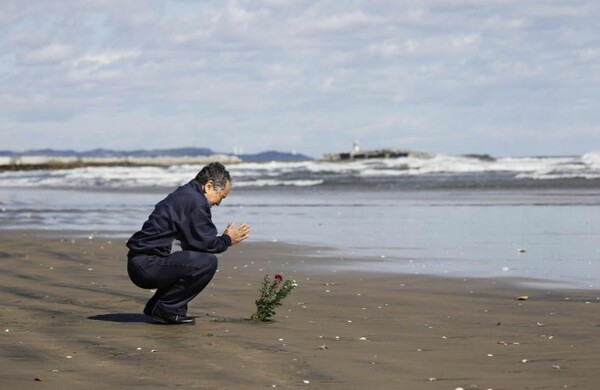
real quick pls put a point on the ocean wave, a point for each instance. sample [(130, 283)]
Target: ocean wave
[(592, 159), (271, 183), (315, 173), (557, 176), (134, 177)]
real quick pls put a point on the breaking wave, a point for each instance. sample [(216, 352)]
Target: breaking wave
[(316, 173)]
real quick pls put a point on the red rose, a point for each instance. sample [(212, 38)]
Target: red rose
[(279, 277)]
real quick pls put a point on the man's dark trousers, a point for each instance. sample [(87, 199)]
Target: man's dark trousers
[(177, 278)]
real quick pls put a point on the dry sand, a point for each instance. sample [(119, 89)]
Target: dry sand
[(70, 319)]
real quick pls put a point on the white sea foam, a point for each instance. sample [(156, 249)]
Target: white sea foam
[(592, 159), (96, 177), (587, 166), (310, 173), (132, 177), (270, 183)]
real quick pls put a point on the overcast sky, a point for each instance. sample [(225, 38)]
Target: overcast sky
[(505, 77)]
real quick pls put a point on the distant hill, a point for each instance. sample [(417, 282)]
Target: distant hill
[(40, 152), (180, 152), (273, 155)]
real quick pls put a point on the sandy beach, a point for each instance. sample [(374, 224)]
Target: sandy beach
[(71, 319)]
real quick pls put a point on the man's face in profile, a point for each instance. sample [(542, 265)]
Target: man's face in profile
[(213, 195)]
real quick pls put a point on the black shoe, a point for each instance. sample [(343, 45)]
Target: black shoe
[(148, 311), (171, 319)]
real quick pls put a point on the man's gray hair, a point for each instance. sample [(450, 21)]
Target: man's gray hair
[(217, 173)]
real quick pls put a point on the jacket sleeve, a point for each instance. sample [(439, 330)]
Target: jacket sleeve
[(198, 233)]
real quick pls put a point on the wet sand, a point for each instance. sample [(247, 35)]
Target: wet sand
[(71, 319)]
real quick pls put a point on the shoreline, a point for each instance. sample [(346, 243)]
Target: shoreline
[(336, 260), (72, 319)]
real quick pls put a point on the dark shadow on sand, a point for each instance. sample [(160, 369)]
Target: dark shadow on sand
[(122, 317)]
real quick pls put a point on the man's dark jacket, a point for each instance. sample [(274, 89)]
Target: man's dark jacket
[(183, 215)]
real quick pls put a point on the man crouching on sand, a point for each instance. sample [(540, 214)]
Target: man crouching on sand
[(184, 215)]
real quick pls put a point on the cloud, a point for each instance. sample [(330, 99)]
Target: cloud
[(438, 45), (385, 49), (49, 54), (102, 66), (345, 21), (319, 73)]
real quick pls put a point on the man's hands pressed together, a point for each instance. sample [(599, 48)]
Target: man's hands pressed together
[(237, 233)]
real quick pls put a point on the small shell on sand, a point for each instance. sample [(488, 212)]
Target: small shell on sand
[(323, 347), (363, 339), (523, 298)]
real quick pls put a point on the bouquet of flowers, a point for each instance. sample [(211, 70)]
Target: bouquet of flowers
[(271, 295)]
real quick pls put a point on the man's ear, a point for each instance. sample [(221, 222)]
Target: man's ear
[(210, 185)]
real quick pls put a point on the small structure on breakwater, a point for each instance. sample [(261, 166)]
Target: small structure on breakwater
[(357, 154)]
